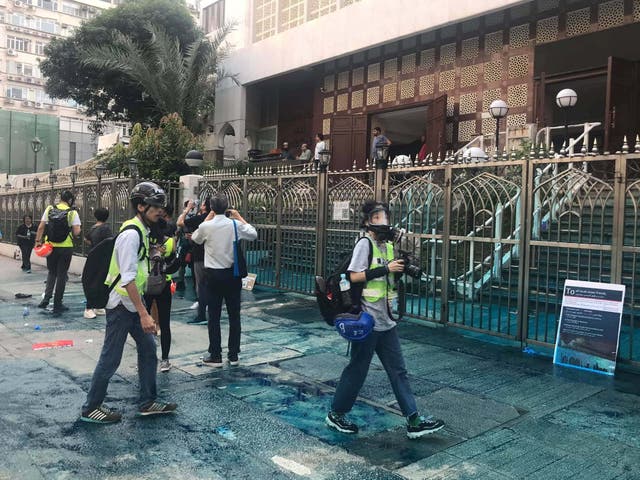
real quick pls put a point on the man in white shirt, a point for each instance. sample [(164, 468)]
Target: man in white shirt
[(320, 146), (126, 312), (217, 233)]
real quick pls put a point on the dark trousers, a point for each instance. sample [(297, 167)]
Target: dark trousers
[(387, 346), (120, 323), (200, 279), (25, 250), (58, 265), (223, 286), (163, 302)]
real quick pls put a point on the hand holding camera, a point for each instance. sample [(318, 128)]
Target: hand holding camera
[(396, 266), (233, 214)]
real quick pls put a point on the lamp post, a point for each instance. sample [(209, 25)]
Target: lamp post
[(566, 99), (74, 177), (194, 159), (36, 146), (100, 169), (325, 160), (382, 156), (53, 177), (7, 186), (498, 110), (36, 183), (133, 171)]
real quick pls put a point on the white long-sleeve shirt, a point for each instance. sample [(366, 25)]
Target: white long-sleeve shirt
[(126, 250), (218, 236)]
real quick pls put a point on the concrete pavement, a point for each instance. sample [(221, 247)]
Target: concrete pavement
[(509, 415)]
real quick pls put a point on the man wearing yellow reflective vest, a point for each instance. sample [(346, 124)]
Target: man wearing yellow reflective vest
[(378, 276), (126, 312), (59, 223)]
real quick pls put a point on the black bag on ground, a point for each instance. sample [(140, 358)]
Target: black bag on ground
[(328, 294), (96, 269), (58, 225)]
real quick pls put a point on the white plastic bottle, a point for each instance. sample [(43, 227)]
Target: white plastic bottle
[(345, 291)]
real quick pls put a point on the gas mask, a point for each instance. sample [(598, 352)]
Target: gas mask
[(379, 224)]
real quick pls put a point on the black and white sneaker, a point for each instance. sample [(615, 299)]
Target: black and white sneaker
[(157, 408), (210, 361), (340, 423), (102, 415), (426, 426)]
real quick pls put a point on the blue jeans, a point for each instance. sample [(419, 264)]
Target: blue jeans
[(387, 346), (120, 323)]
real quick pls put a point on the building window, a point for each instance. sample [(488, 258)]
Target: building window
[(213, 17), (17, 93), (46, 25), (264, 13), (48, 5), (17, 43), (72, 153), (39, 48), (291, 14), (318, 8), (18, 20), (26, 69)]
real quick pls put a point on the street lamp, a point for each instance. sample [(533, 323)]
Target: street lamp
[(133, 168), (100, 169), (7, 186), (36, 183), (325, 159), (36, 146), (566, 99), (194, 159), (498, 109), (382, 154), (53, 177), (74, 176)]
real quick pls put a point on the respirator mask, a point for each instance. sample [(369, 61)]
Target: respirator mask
[(379, 224)]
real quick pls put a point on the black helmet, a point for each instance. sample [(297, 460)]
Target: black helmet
[(67, 197), (148, 193)]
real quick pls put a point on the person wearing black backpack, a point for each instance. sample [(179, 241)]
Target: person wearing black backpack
[(373, 264), (60, 223), (127, 313)]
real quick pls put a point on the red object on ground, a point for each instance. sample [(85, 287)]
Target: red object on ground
[(44, 250), (173, 287), (56, 344)]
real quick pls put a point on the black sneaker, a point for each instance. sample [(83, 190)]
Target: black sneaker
[(233, 360), (102, 415), (212, 361), (60, 308), (43, 304), (157, 408), (196, 321), (339, 422), (426, 426)]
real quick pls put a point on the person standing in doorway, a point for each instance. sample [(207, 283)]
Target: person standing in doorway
[(305, 153), (99, 232), (218, 233), (378, 140), (320, 146), (26, 235), (62, 224), (126, 312)]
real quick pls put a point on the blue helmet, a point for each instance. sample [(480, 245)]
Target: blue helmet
[(354, 328)]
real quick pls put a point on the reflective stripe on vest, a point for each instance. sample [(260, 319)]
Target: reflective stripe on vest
[(378, 288), (143, 263)]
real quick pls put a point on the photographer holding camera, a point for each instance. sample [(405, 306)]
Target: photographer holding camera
[(379, 276)]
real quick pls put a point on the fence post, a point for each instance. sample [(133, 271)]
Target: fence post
[(531, 203), (617, 238), (381, 185), (322, 220), (446, 231), (278, 245)]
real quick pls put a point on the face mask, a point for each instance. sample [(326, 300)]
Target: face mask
[(384, 233)]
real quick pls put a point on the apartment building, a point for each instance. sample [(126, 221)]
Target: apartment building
[(340, 67)]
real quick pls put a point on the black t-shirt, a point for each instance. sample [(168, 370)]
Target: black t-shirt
[(191, 224), (26, 235), (98, 233)]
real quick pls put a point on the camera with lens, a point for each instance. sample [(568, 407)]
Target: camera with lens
[(411, 265)]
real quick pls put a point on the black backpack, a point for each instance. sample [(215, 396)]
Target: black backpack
[(58, 225), (329, 296), (96, 269)]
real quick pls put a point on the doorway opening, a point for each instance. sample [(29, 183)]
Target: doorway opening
[(404, 128)]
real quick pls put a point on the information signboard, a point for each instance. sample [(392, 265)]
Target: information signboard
[(589, 330)]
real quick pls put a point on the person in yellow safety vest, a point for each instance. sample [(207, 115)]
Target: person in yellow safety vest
[(62, 224), (379, 288), (126, 312), (164, 237)]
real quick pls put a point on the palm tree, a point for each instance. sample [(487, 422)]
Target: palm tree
[(177, 81)]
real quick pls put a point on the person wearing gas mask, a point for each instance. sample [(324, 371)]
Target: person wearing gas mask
[(378, 281)]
